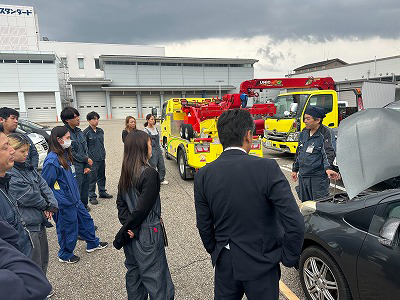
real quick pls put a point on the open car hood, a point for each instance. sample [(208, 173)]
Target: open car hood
[(368, 148)]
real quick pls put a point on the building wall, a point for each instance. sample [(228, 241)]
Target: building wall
[(161, 75), (91, 51), (19, 28), (29, 77), (363, 70)]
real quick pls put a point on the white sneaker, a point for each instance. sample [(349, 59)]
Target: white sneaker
[(164, 182)]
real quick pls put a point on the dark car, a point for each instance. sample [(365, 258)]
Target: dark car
[(352, 248), (32, 127)]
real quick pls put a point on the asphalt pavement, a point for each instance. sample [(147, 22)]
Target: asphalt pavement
[(101, 274)]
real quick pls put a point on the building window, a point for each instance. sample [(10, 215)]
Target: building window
[(97, 63), (81, 63)]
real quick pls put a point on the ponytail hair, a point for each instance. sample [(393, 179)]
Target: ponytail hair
[(148, 118)]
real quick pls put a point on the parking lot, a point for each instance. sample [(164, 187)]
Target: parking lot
[(101, 275)]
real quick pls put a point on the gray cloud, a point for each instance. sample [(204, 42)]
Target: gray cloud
[(161, 21)]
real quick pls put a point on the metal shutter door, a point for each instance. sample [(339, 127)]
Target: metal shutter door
[(348, 96), (9, 100), (41, 107), (123, 106), (92, 101), (148, 102)]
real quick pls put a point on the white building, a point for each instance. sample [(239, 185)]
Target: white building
[(353, 75), (29, 83), (19, 29)]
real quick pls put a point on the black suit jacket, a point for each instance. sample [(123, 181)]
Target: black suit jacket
[(247, 202)]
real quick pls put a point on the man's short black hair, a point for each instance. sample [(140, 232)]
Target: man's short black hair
[(5, 112), (1, 128), (92, 115), (233, 126), (68, 113)]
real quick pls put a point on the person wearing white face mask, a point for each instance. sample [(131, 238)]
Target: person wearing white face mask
[(72, 218)]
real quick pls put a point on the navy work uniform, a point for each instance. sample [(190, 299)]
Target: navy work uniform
[(314, 155), (97, 152), (80, 155), (156, 159), (72, 218)]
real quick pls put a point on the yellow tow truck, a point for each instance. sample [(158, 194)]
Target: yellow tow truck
[(194, 143)]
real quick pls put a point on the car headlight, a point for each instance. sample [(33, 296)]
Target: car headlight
[(308, 207), (293, 137)]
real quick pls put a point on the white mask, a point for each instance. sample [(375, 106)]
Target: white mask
[(67, 144)]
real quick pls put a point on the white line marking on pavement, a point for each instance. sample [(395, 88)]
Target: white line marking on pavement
[(331, 184)]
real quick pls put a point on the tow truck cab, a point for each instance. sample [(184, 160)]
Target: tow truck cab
[(283, 129)]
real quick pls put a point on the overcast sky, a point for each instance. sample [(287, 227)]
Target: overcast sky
[(282, 34)]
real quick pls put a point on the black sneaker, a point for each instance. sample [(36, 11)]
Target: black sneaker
[(93, 201), (102, 245), (105, 196), (74, 259)]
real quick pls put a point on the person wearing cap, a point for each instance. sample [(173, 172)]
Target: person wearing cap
[(313, 164)]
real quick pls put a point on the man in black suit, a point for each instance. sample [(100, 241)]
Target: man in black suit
[(246, 214)]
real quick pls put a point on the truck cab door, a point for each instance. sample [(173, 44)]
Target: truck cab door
[(326, 101)]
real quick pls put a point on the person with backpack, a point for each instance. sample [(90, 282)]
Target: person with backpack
[(157, 159), (72, 218), (142, 234)]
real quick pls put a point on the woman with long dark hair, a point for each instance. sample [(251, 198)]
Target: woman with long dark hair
[(142, 234), (130, 125), (156, 159), (72, 217)]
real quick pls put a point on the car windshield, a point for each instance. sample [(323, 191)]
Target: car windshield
[(32, 124), (394, 105), (284, 103)]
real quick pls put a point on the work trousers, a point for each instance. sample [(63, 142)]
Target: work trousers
[(70, 222), (147, 268), (227, 288), (97, 175), (313, 187), (157, 162), (83, 185), (40, 252)]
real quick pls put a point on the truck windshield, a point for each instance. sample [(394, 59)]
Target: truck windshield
[(285, 107)]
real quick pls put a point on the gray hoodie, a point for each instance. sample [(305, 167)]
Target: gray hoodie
[(32, 194)]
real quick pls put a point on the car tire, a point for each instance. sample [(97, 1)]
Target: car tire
[(182, 131), (189, 131), (313, 260), (182, 165)]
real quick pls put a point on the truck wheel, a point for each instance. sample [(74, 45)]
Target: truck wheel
[(321, 277), (182, 130), (189, 131), (182, 165)]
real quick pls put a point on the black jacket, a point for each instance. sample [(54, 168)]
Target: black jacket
[(20, 278), (148, 208), (79, 149), (95, 143), (247, 202)]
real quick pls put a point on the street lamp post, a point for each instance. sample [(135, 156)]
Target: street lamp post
[(219, 87)]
